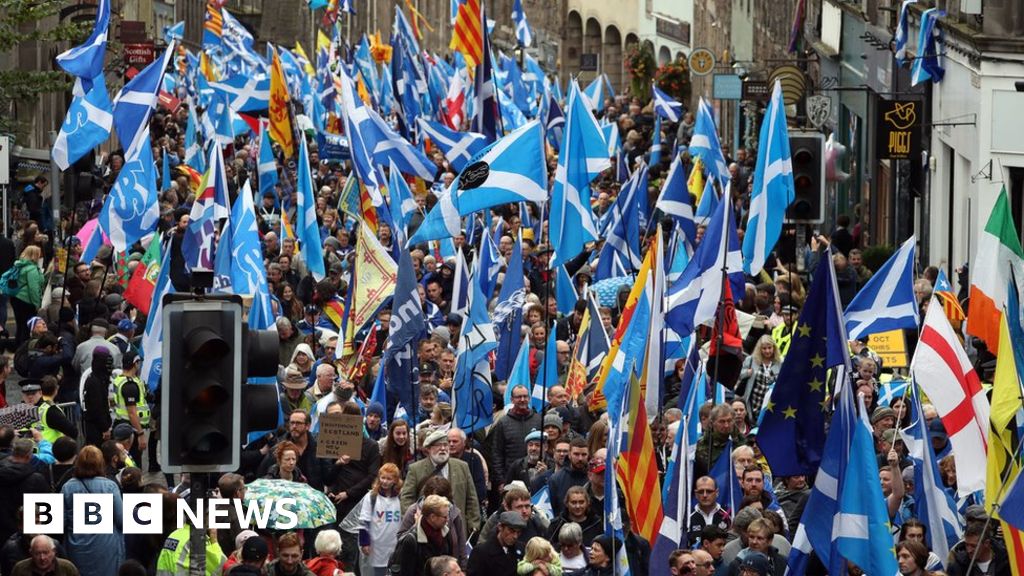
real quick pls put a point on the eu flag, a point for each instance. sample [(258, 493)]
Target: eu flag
[(792, 434)]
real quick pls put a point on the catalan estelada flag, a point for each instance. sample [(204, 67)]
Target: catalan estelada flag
[(637, 469), (468, 34), (280, 117), (213, 25), (950, 304)]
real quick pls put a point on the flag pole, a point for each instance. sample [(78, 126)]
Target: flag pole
[(719, 321), (996, 504)]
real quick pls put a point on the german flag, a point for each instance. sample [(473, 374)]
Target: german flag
[(468, 35)]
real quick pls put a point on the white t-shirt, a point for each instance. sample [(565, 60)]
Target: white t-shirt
[(381, 519)]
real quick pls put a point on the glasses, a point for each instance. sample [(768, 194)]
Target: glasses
[(297, 423)]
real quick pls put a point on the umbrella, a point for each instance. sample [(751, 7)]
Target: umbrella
[(313, 508), (606, 290)]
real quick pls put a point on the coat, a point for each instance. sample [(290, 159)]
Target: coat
[(509, 441), (491, 559), (16, 480), (30, 283), (94, 554), (414, 551), (463, 488)]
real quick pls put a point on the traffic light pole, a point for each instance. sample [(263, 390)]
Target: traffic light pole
[(197, 537)]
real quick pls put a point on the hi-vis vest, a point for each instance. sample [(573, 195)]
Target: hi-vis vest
[(174, 558), (782, 337), (121, 408), (49, 434)]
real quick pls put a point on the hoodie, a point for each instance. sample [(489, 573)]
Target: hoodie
[(16, 480)]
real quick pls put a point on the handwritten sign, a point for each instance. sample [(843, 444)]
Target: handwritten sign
[(340, 435), (891, 347)]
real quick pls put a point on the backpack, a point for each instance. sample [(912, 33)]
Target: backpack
[(10, 281), (23, 359), (394, 567)]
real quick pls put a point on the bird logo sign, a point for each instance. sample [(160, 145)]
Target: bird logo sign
[(903, 116)]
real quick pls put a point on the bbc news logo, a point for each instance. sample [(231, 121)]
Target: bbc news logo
[(144, 514)]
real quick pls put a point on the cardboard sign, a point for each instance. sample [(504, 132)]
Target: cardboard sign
[(891, 347), (340, 435)]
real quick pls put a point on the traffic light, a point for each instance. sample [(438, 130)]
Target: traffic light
[(208, 353), (807, 151)]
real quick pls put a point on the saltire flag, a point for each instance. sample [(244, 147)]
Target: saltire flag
[(510, 170), (705, 144), (542, 502), (266, 168), (547, 373), (666, 106), (247, 270), (490, 264), (554, 123), (165, 170), (792, 432), (674, 201), (139, 292), (474, 401), (193, 145), (945, 373), (459, 302), (519, 374), (773, 190), (655, 150), (508, 313), (926, 65), (152, 338), (458, 147), (209, 208), (565, 292), (892, 390), (406, 326), (581, 159), (386, 145), (944, 291), (887, 301), (637, 470), (523, 33), (694, 298), (279, 112), (622, 236), (306, 226), (245, 93), (89, 117), (594, 94), (486, 118), (356, 117), (468, 34), (999, 252), (708, 203), (730, 493), (936, 508), (442, 221), (403, 205), (652, 375), (902, 32), (821, 518), (864, 535), (675, 502)]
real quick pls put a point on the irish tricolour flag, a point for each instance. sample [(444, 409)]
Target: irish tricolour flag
[(999, 252)]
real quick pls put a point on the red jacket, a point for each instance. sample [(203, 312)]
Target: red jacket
[(322, 566)]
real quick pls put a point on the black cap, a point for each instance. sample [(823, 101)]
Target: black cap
[(254, 549), (454, 318), (29, 385)]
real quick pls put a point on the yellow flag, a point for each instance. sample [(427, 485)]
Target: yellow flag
[(375, 275), (280, 119), (696, 183), (207, 68), (302, 52)]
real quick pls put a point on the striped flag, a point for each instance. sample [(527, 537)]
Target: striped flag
[(637, 471), (468, 34), (944, 291), (999, 252)]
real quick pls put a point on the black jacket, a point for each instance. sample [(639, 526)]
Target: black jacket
[(413, 552), (560, 483), (16, 480), (310, 465), (593, 526), (355, 478), (960, 560), (492, 559), (509, 442)]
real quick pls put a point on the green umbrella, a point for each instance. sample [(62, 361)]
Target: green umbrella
[(313, 508)]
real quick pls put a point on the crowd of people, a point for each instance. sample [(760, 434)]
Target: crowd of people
[(423, 497)]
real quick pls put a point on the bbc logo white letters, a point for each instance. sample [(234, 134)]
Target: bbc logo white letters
[(94, 514), (44, 514)]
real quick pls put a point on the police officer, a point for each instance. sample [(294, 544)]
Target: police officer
[(174, 558), (783, 333), (130, 404), (52, 423)]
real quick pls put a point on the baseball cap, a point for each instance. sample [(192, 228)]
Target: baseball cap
[(254, 549), (757, 563), (122, 431)]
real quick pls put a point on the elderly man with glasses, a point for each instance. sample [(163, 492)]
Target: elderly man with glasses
[(707, 511)]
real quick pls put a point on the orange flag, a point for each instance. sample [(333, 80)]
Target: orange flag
[(280, 119)]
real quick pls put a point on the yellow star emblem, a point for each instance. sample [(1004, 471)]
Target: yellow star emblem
[(790, 412), (770, 407), (815, 385), (804, 330), (818, 361), (824, 404)]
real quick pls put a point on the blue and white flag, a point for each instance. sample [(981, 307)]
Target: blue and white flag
[(209, 208), (386, 145), (86, 60), (892, 390), (403, 205), (936, 507), (135, 103), (442, 221), (622, 236), (773, 190), (267, 166), (565, 292), (508, 313), (706, 145), (887, 301), (474, 401), (193, 147), (927, 65), (175, 32), (306, 227), (355, 115), (459, 303), (655, 151), (457, 147), (547, 372), (165, 169), (694, 298), (245, 93), (510, 170), (152, 338), (542, 499), (610, 130), (554, 123), (580, 160), (404, 331), (523, 33), (247, 270), (902, 32), (674, 200), (666, 106), (490, 265), (864, 536), (132, 210), (594, 93)]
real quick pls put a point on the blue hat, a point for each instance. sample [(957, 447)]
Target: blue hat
[(125, 325), (375, 408), (756, 562), (533, 436)]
